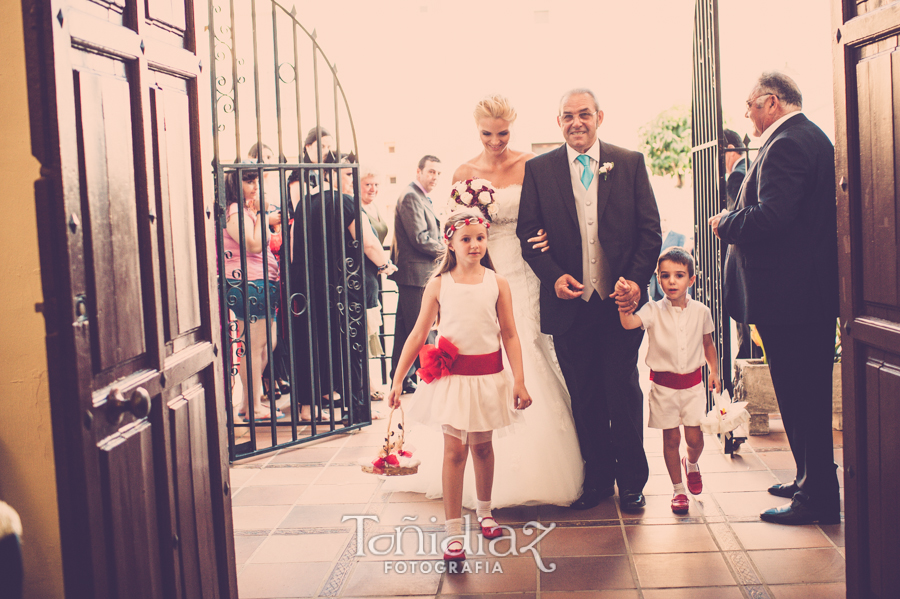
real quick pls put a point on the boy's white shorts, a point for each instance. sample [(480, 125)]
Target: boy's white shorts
[(670, 408)]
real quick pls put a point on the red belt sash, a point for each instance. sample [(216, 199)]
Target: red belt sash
[(443, 359), (673, 380)]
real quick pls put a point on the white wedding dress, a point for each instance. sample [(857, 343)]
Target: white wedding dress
[(541, 463)]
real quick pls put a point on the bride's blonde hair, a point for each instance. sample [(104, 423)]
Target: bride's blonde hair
[(495, 106), (455, 221)]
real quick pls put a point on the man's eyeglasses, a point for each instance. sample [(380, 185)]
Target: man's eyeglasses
[(752, 101), (584, 116)]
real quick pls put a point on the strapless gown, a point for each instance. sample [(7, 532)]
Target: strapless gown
[(541, 463)]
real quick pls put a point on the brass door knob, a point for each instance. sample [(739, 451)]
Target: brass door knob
[(116, 404)]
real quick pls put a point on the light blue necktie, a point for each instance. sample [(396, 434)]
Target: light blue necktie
[(587, 174)]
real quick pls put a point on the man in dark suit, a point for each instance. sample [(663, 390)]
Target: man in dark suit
[(783, 237), (417, 244), (595, 202), (735, 171)]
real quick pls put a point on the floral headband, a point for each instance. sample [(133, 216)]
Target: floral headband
[(469, 221)]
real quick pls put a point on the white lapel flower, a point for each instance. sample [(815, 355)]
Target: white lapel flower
[(604, 170)]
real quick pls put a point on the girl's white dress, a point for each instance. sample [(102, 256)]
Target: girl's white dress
[(541, 463), (468, 404)]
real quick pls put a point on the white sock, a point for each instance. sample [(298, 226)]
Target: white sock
[(483, 509), (679, 489), (454, 527), (692, 467)]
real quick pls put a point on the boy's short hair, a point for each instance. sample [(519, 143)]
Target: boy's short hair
[(678, 255)]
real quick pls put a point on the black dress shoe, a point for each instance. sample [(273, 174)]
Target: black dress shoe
[(632, 501), (783, 490), (592, 498), (797, 513), (409, 386)]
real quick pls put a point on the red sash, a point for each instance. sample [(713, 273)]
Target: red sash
[(443, 359), (674, 380)]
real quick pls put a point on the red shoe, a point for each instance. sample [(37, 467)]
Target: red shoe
[(694, 480), (455, 552), (680, 504), (489, 530)]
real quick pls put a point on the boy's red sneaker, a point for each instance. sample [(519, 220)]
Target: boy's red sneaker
[(694, 480)]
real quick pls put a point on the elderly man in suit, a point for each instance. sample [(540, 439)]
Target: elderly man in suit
[(417, 244), (783, 237), (595, 202)]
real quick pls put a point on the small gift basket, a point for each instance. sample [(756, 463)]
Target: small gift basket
[(392, 460), (726, 416)]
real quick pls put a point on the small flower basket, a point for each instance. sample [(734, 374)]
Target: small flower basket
[(725, 416), (392, 460), (473, 193)]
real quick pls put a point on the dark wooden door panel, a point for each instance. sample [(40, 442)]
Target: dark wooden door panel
[(127, 471), (111, 215)]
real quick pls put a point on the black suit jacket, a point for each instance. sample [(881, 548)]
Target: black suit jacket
[(627, 224), (733, 185), (781, 266)]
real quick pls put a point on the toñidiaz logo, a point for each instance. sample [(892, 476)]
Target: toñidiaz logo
[(429, 543)]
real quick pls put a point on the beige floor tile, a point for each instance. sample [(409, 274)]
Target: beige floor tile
[(731, 482), (345, 475), (778, 460), (240, 476), (407, 497), (265, 581), (666, 570), (718, 462), (518, 575), (373, 579), (258, 517), (286, 476), (306, 548), (323, 516), (306, 455), (244, 546), (422, 511), (268, 495), (319, 494)]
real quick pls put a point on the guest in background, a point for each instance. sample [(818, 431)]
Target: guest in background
[(735, 171), (368, 190), (318, 143)]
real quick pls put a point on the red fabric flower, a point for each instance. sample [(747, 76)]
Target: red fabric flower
[(437, 361)]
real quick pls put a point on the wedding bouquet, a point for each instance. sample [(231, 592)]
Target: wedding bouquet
[(473, 193)]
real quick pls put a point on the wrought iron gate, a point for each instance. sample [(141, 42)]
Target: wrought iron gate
[(306, 296), (708, 163)]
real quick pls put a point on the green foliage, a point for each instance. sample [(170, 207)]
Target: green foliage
[(666, 142)]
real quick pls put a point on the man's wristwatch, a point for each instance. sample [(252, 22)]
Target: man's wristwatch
[(384, 266)]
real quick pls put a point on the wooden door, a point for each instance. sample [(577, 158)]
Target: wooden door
[(867, 148), (119, 103)]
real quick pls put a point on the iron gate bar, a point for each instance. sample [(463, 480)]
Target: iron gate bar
[(344, 280)]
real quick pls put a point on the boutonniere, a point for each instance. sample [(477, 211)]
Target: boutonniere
[(605, 168)]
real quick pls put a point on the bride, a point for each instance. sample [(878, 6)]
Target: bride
[(541, 463)]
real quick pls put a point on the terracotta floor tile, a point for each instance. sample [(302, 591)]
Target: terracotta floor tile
[(369, 579), (306, 548), (731, 482), (606, 510), (578, 573), (493, 596), (778, 460), (770, 441), (762, 535), (688, 538), (519, 575), (607, 594), (835, 532), (837, 590), (583, 541), (792, 566), (422, 511), (694, 593), (275, 580), (776, 424), (415, 544), (240, 476), (747, 504), (837, 438), (785, 476), (286, 476), (666, 570), (658, 484), (305, 455), (319, 494), (268, 495), (244, 546), (519, 514), (715, 461), (344, 475), (322, 516), (659, 510), (258, 517)]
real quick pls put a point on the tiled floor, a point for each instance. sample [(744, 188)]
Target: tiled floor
[(291, 541)]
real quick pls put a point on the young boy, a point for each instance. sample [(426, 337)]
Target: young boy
[(680, 331)]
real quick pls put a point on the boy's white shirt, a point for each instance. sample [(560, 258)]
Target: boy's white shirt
[(676, 334)]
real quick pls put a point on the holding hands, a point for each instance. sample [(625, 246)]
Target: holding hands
[(626, 294)]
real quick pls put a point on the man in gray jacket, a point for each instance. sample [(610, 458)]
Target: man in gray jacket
[(417, 244)]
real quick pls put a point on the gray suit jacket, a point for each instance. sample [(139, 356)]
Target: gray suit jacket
[(417, 238)]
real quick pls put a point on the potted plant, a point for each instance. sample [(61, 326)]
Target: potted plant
[(753, 384)]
